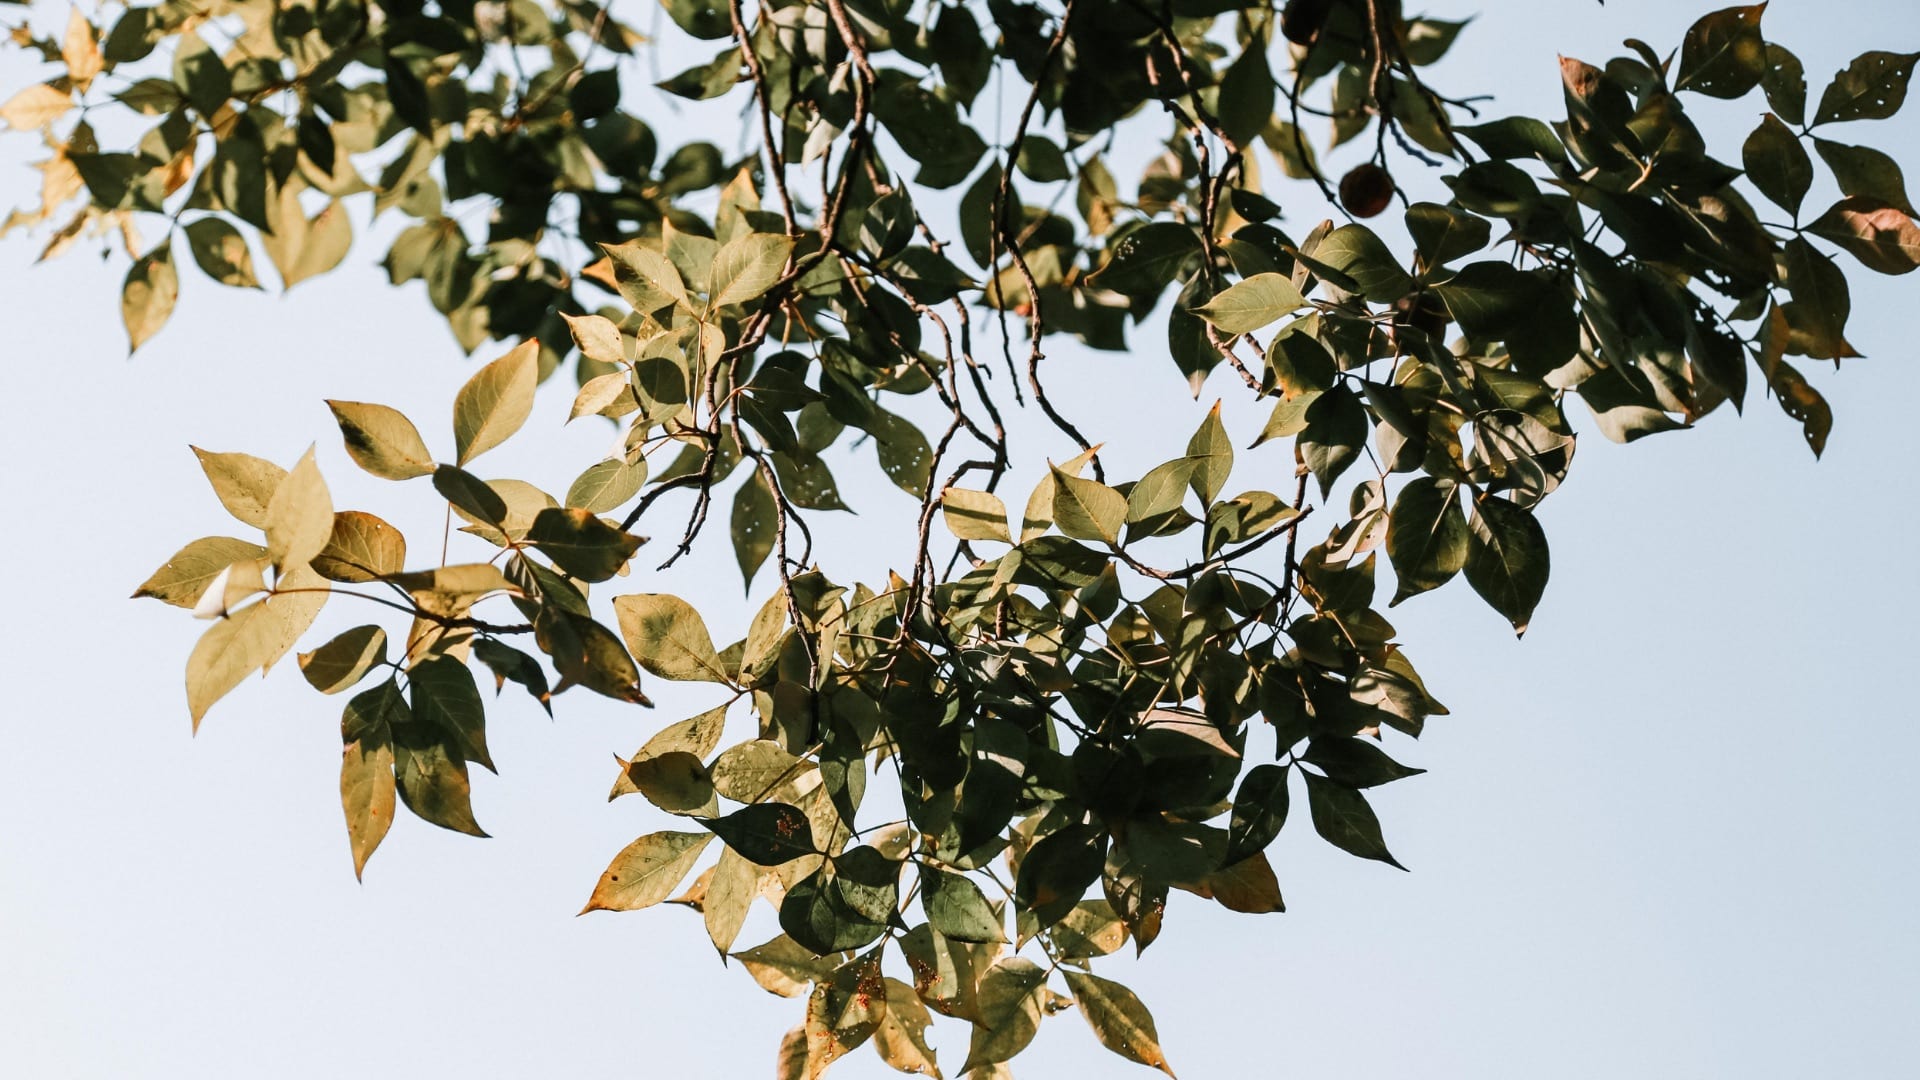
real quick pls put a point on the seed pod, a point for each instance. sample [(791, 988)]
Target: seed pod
[(1366, 190)]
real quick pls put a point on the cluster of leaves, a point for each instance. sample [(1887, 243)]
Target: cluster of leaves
[(1066, 698)]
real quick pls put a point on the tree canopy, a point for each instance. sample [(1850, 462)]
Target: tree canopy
[(973, 777)]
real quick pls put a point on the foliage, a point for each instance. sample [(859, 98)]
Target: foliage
[(1068, 698)]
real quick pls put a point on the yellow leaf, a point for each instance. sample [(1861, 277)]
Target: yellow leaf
[(81, 50), (35, 107), (495, 402), (646, 871), (300, 517)]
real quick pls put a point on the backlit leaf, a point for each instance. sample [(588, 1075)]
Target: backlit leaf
[(669, 638), (382, 440), (647, 871), (1119, 1020), (495, 402)]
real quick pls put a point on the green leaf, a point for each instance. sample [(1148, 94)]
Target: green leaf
[(1248, 305), (607, 485), (1777, 164), (345, 660), (509, 663), (668, 637), (1011, 1001), (1118, 1019), (244, 484), (446, 700), (147, 297), (221, 252), (1873, 87), (1445, 233), (957, 908), (746, 267), (1086, 510), (299, 516), (1057, 871), (1507, 560), (1862, 170), (382, 440), (432, 779), (1426, 536), (819, 912), (495, 402), (470, 495), (1355, 762), (647, 279), (975, 515), (646, 871), (1882, 237), (367, 784), (1723, 54), (1161, 491), (1358, 252), (581, 543), (200, 75), (1212, 455), (1246, 95), (1785, 83), (755, 523), (1259, 812), (765, 834), (1335, 432), (1821, 299), (1147, 259), (185, 577), (1342, 818)]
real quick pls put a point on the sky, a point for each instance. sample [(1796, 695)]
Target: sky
[(1668, 834)]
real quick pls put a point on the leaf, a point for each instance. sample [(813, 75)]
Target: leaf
[(1161, 491), (495, 402), (668, 637), (1057, 871), (367, 784), (361, 547), (1259, 811), (1012, 999), (251, 639), (1086, 510), (244, 484), (446, 700), (765, 834), (646, 278), (753, 770), (755, 522), (1358, 252), (901, 1038), (1821, 299), (200, 75), (185, 577), (1252, 303), (323, 243), (1507, 559), (147, 297), (1872, 87), (746, 267), (1211, 453), (957, 908), (1147, 259), (1785, 84), (646, 871), (782, 966), (607, 485), (1862, 170), (975, 515), (1342, 818), (1356, 762), (1119, 1020), (345, 660), (35, 107), (382, 440), (470, 495), (1723, 54), (582, 544), (1777, 164), (1882, 237), (1247, 886), (299, 516), (221, 252), (1426, 536)]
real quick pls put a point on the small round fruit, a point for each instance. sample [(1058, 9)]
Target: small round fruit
[(1366, 191)]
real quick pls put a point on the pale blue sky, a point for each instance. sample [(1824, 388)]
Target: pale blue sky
[(1669, 835)]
